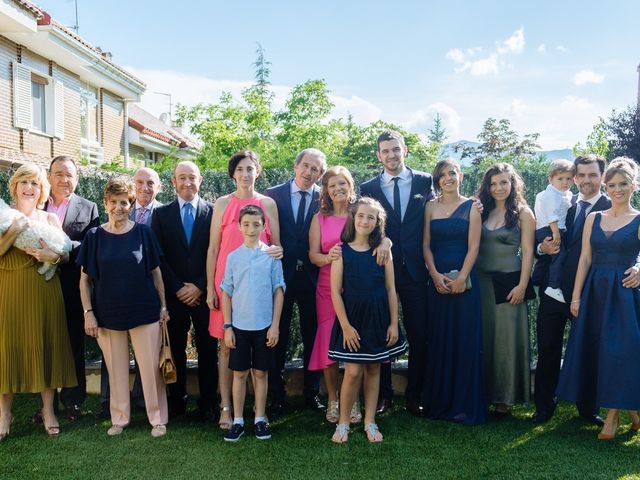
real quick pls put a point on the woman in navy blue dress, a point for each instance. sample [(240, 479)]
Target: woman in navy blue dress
[(454, 386), (601, 362)]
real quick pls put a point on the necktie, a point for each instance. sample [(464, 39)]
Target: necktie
[(187, 221), (301, 209), (396, 197), (578, 222), (140, 215)]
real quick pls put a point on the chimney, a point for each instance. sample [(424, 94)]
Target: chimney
[(107, 56)]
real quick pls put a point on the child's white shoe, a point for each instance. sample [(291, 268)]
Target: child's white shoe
[(555, 293)]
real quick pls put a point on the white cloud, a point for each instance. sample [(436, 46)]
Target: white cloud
[(573, 103), (491, 63), (584, 77), (516, 107), (542, 48), (562, 49), (190, 89), (422, 120), (513, 44)]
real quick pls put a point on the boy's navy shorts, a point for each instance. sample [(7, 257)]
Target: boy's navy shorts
[(251, 351)]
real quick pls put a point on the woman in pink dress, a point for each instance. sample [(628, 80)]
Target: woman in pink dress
[(337, 193), (244, 168)]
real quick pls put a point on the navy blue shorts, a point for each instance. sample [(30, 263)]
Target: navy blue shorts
[(251, 351)]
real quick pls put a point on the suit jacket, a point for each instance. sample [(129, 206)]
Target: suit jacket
[(183, 262), (155, 204), (81, 216), (294, 243), (573, 245), (406, 235)]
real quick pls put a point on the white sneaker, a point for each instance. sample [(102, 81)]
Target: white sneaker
[(555, 293)]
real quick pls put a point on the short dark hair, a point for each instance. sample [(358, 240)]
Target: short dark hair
[(251, 210), (349, 230), (63, 158), (588, 159), (240, 155), (387, 135)]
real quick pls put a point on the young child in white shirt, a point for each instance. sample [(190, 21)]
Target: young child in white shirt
[(551, 214)]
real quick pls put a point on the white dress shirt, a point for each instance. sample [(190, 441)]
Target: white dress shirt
[(404, 185)]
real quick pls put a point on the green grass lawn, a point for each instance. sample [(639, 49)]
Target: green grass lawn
[(566, 447)]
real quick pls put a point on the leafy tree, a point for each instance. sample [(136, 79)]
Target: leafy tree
[(623, 133), (596, 143), (437, 133), (498, 140)]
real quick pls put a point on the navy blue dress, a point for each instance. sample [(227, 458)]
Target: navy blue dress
[(120, 266), (367, 305), (603, 353), (453, 383)]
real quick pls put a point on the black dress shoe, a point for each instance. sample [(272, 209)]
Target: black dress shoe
[(275, 410), (414, 408), (37, 417), (384, 404), (73, 413), (104, 413), (541, 417), (314, 403), (594, 418)]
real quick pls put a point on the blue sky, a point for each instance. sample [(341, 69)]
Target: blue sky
[(551, 67)]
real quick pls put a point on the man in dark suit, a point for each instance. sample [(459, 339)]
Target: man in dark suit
[(297, 199), (403, 193), (552, 314), (182, 228), (148, 185), (77, 215)]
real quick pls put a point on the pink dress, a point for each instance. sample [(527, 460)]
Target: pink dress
[(230, 239), (330, 230)]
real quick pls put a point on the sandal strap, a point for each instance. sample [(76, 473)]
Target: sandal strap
[(342, 428), (372, 428)]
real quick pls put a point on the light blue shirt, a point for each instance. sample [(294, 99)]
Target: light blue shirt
[(194, 204), (404, 185), (251, 277), (296, 197)]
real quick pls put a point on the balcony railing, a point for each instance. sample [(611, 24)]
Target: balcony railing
[(92, 151)]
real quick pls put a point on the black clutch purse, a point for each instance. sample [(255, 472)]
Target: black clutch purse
[(503, 283)]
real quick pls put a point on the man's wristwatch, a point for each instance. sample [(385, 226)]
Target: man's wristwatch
[(227, 325)]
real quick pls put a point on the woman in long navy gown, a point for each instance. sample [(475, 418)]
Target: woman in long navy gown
[(601, 362), (454, 386)]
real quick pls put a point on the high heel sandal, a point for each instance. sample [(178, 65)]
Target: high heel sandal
[(52, 430), (225, 424), (341, 435), (4, 435), (610, 436), (356, 414), (333, 411)]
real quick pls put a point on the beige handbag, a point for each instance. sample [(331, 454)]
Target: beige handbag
[(167, 365)]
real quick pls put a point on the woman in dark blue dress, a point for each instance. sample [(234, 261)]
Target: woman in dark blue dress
[(454, 386), (601, 362)]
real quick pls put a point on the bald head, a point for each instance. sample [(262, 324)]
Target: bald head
[(187, 180)]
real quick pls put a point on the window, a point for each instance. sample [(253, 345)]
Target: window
[(89, 114), (38, 101)]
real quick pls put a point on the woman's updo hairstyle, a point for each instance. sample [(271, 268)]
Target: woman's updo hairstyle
[(624, 166)]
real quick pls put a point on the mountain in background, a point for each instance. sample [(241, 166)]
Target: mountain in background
[(447, 151)]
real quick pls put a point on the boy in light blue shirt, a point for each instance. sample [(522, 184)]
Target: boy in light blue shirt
[(252, 297)]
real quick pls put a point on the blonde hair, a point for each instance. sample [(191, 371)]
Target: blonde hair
[(326, 204), (30, 172), (561, 166), (625, 167)]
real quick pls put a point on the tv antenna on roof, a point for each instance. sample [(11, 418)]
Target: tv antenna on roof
[(76, 27)]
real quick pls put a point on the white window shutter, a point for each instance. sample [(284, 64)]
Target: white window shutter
[(21, 96), (58, 88)]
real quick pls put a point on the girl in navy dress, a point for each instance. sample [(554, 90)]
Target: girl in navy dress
[(364, 298), (601, 362)]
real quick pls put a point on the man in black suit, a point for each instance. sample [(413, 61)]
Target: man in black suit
[(552, 314), (403, 193), (297, 199), (148, 185), (77, 215), (182, 228)]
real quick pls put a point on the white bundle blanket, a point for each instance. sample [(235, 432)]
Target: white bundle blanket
[(30, 237)]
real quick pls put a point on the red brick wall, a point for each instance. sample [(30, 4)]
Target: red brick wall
[(9, 136), (112, 109)]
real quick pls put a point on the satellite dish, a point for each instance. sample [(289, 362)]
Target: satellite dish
[(164, 118)]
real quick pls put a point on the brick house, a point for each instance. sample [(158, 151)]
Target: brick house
[(58, 93)]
